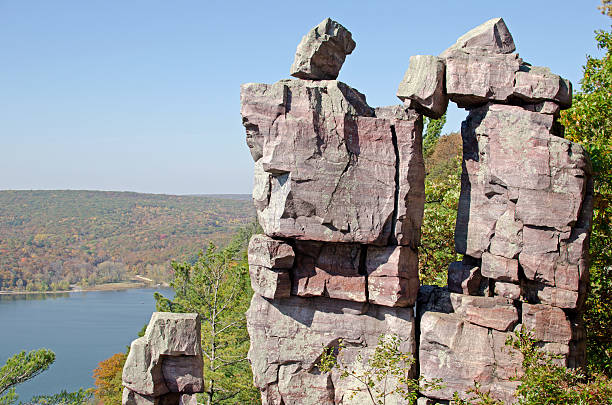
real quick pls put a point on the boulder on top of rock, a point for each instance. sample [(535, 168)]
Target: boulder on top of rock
[(322, 51), (491, 37), (473, 80), (535, 83), (422, 87)]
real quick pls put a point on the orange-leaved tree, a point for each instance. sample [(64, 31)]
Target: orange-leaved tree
[(108, 380)]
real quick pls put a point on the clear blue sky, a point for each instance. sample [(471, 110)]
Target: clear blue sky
[(144, 95)]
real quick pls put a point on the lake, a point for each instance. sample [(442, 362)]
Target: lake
[(82, 328)]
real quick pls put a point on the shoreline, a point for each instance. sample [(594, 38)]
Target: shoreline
[(123, 285)]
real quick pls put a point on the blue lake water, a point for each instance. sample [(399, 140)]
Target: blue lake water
[(81, 328)]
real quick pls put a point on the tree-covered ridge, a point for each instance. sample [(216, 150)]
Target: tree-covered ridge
[(51, 239)]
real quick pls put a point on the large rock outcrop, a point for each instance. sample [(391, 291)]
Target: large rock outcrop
[(339, 193), (164, 367)]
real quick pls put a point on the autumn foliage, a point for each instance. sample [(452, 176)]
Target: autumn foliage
[(108, 380)]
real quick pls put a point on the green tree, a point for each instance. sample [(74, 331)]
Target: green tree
[(79, 397), (20, 368), (218, 288), (589, 123), (387, 374), (433, 129), (442, 188)]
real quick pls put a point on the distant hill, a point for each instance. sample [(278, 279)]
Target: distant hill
[(54, 239)]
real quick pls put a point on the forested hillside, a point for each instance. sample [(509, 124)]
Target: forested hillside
[(52, 239)]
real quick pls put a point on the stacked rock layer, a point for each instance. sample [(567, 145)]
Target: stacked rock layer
[(339, 193)]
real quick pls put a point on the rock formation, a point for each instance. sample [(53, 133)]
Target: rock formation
[(164, 367), (339, 193)]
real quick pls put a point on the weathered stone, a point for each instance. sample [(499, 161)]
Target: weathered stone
[(499, 268), (534, 83), (270, 283), (559, 297), (327, 167), (491, 312), (540, 240), (548, 208), (460, 353), (392, 261), (548, 324), (544, 107), (508, 238), (491, 37), (174, 334), (322, 51), (473, 79), (511, 156), (271, 253), (423, 86), (142, 372), (393, 275), (464, 278), (289, 335), (330, 270), (183, 374), (507, 290), (407, 127), (168, 358), (133, 398), (539, 267)]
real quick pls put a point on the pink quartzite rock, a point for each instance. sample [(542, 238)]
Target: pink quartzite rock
[(473, 79), (499, 268), (271, 253), (464, 278), (327, 168), (407, 126), (513, 163), (460, 342), (423, 86), (393, 275), (459, 353), (269, 264), (491, 312), (330, 270), (491, 37), (481, 67), (270, 283), (165, 362), (322, 51), (289, 335), (507, 290), (171, 398), (548, 324), (534, 83)]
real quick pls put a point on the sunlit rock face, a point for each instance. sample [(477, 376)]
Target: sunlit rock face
[(330, 168), (339, 193), (165, 365)]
